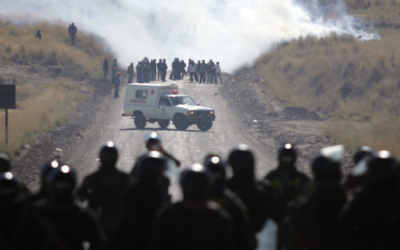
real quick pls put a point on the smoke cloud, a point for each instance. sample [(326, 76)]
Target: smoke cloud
[(233, 32)]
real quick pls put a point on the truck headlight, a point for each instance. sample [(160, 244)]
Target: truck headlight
[(212, 112), (191, 112)]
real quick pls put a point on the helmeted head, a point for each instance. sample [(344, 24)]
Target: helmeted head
[(152, 167), (44, 172), (61, 183), (153, 141), (381, 167), (217, 166), (9, 185), (287, 156), (5, 162), (242, 161), (196, 182), (326, 165), (108, 155), (361, 153)]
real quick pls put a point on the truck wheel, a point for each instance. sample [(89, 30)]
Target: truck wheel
[(163, 123), (140, 121), (180, 122), (204, 126)]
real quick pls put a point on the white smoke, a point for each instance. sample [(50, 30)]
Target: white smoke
[(233, 32)]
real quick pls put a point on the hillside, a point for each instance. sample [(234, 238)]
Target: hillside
[(354, 85), (51, 75)]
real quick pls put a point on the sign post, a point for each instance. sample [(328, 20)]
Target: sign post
[(7, 101)]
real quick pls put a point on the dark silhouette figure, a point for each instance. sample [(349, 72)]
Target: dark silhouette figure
[(163, 69), (372, 219), (286, 180), (103, 189), (221, 195), (38, 35), (72, 30), (105, 68), (131, 73), (193, 223), (257, 197), (312, 221), (143, 197), (56, 222)]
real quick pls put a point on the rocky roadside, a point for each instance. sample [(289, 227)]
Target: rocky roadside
[(272, 123)]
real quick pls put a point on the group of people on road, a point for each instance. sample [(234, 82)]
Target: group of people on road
[(151, 70), (148, 71), (135, 210), (200, 72)]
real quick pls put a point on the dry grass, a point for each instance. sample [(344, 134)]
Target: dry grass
[(44, 102), (19, 45), (41, 107), (356, 83)]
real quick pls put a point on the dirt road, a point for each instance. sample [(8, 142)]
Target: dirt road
[(189, 146)]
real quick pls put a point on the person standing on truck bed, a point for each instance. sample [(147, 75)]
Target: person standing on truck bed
[(153, 68), (117, 83), (131, 72), (139, 72)]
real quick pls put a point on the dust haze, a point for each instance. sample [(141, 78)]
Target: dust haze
[(233, 32)]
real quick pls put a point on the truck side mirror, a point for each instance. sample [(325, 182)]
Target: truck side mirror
[(198, 104)]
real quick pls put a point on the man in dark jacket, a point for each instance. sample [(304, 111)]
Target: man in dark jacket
[(72, 31), (103, 189), (159, 64), (131, 72), (286, 180), (182, 69), (164, 68), (139, 72), (105, 68), (153, 69)]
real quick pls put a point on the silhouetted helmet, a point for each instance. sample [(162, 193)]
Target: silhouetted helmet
[(9, 185), (287, 154), (242, 161), (46, 168), (5, 162), (361, 153), (381, 166), (196, 182), (60, 183), (216, 166), (326, 165), (152, 166), (153, 136), (108, 154)]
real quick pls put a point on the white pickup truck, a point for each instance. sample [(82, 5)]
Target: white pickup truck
[(163, 103)]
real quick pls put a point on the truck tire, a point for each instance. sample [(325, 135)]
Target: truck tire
[(140, 121), (163, 123), (204, 126), (180, 122)]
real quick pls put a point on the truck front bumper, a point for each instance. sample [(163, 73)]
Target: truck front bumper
[(193, 119)]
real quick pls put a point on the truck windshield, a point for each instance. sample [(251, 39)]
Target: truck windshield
[(182, 100)]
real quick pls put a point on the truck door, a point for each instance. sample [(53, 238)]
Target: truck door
[(163, 108)]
